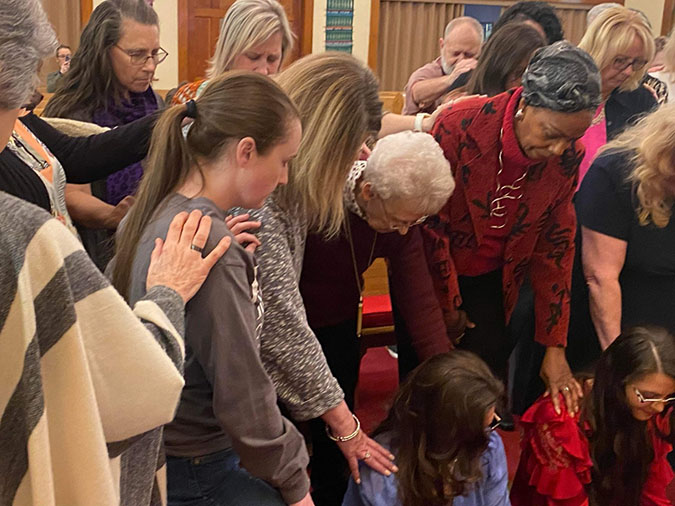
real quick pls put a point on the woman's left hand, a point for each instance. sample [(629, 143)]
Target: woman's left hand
[(556, 373), (429, 121), (373, 454)]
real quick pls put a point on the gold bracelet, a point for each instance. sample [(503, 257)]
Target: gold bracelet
[(344, 439)]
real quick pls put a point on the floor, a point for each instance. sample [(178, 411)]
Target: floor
[(377, 386)]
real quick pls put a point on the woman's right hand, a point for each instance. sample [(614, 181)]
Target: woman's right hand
[(305, 501), (175, 264), (456, 324), (241, 227)]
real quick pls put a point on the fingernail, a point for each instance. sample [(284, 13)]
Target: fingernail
[(358, 482), (387, 472), (395, 469), (391, 456), (557, 410)]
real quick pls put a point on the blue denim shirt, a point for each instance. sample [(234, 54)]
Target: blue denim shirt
[(379, 490)]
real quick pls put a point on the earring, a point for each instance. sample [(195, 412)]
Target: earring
[(519, 114)]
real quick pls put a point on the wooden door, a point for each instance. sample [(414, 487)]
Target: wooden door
[(199, 25)]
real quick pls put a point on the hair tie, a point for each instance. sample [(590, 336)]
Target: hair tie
[(191, 109)]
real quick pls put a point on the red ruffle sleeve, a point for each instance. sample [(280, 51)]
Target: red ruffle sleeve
[(660, 472), (555, 464)]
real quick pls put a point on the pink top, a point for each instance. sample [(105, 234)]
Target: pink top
[(594, 138), (428, 71)]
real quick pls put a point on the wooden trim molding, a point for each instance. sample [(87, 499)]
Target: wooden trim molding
[(374, 35), (182, 40), (668, 14), (307, 27), (86, 7)]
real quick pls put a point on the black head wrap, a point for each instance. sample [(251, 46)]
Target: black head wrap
[(563, 78)]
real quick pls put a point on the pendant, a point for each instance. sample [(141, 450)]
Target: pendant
[(359, 317)]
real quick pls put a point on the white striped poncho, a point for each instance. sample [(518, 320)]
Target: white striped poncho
[(81, 375)]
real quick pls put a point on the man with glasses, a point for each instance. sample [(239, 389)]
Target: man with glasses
[(63, 55)]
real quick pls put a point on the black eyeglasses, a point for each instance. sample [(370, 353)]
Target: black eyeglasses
[(139, 58), (495, 423), (621, 63)]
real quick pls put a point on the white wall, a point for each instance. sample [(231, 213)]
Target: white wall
[(167, 72), (653, 9)]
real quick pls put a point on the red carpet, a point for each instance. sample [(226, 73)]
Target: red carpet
[(377, 385)]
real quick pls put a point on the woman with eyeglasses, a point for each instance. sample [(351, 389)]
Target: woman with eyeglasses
[(621, 43), (613, 452), (109, 83), (441, 428), (405, 178)]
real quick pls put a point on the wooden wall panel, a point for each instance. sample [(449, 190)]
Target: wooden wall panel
[(409, 31), (408, 37)]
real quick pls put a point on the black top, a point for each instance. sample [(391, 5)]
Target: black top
[(625, 108), (84, 159), (607, 203)]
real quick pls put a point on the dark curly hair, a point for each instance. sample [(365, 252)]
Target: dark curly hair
[(539, 12), (436, 427)]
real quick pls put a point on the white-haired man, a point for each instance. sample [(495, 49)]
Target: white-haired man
[(460, 47)]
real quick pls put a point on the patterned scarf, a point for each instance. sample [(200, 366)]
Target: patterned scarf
[(125, 182)]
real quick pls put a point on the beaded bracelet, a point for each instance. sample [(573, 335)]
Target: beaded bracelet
[(344, 439)]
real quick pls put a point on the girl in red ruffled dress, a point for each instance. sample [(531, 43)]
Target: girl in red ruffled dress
[(613, 452)]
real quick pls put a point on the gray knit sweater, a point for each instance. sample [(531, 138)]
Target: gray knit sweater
[(290, 351)]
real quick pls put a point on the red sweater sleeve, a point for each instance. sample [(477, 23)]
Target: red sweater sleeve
[(551, 271), (412, 287), (555, 464), (435, 231), (660, 473)]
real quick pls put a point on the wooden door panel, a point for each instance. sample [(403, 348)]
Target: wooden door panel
[(199, 25)]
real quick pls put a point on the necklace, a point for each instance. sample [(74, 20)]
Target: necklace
[(504, 191), (359, 315)]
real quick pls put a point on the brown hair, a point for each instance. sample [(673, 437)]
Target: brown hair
[(235, 105), (91, 82), (339, 105), (506, 53), (437, 427)]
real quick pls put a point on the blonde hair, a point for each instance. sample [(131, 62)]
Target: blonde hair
[(339, 107), (247, 24), (612, 33), (650, 145)]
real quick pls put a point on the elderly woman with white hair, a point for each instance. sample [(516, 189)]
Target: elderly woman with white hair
[(405, 179), (86, 380)]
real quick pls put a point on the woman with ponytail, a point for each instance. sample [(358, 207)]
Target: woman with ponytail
[(244, 133)]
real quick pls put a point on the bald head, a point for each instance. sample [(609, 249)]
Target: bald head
[(462, 41)]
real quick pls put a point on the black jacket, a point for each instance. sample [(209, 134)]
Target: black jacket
[(625, 108)]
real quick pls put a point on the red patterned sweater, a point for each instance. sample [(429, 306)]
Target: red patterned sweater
[(540, 236)]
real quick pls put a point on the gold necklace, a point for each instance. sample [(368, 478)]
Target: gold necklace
[(503, 191), (359, 316)]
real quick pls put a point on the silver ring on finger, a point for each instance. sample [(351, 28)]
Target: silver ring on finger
[(367, 455), (196, 248), (566, 388)]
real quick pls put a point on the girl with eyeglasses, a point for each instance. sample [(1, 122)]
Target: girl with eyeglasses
[(613, 452), (441, 429)]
